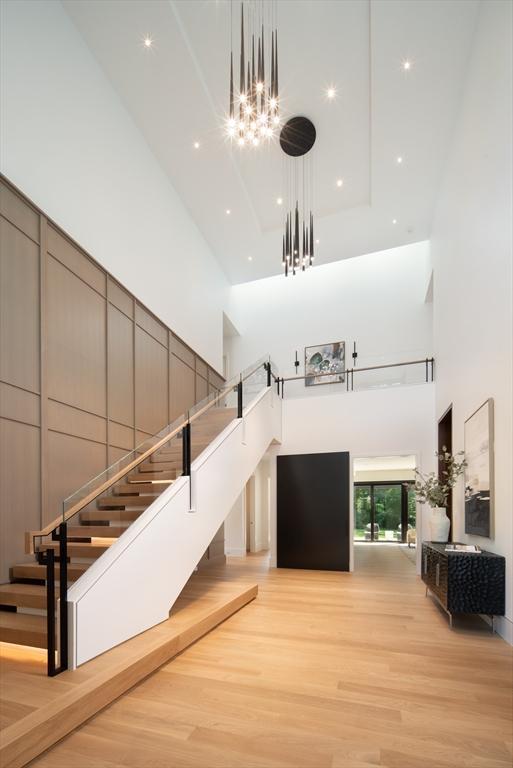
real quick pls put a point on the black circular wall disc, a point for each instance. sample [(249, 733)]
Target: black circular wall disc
[(297, 136)]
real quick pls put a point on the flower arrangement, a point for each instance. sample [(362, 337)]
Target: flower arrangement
[(433, 490)]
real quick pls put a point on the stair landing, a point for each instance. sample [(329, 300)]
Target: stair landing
[(37, 710)]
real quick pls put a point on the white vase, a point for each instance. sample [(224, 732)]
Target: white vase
[(439, 524)]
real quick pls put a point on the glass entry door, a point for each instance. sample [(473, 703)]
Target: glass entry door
[(383, 511), (362, 512)]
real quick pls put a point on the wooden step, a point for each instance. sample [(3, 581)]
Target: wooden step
[(79, 549), (110, 515), (163, 466), (174, 458), (106, 502), (23, 628), (36, 571), (23, 595), (148, 488), (145, 477), (101, 531), (177, 451)]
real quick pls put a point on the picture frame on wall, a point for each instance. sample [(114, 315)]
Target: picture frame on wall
[(479, 480), (325, 364)]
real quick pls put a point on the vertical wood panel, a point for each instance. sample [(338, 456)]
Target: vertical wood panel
[(76, 341), (19, 490), (75, 260), (72, 461), (19, 405), (121, 367), (201, 388), (19, 308), (182, 387), (19, 212), (151, 405)]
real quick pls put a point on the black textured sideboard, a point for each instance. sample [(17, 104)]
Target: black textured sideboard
[(465, 582)]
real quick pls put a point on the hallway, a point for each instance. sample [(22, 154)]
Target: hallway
[(323, 669)]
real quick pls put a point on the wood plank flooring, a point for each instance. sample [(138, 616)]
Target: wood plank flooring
[(37, 711), (323, 670)]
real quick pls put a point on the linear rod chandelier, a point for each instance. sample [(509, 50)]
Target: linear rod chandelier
[(297, 138), (254, 109)]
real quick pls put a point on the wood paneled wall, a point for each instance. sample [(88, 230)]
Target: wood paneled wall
[(86, 371)]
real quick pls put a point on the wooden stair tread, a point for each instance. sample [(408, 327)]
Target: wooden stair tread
[(125, 501), (23, 628), (116, 515), (79, 549), (147, 488), (26, 595), (137, 478), (96, 531), (160, 466), (36, 571)]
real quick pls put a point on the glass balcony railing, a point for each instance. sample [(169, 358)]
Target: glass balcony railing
[(362, 377)]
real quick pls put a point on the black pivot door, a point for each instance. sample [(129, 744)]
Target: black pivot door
[(313, 511)]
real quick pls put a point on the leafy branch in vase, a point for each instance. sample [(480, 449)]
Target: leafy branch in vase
[(433, 490)]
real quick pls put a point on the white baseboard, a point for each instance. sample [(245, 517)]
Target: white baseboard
[(235, 552), (503, 626)]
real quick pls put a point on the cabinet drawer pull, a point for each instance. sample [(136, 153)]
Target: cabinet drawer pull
[(438, 574)]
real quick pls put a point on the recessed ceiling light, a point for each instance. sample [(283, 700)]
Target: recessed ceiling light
[(317, 241), (394, 221), (148, 41), (406, 64), (279, 201), (339, 182), (399, 160), (331, 92), (250, 258), (196, 145), (228, 211)]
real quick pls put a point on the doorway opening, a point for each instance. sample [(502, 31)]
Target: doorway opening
[(384, 511), (384, 501)]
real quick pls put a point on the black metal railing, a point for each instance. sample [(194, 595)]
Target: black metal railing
[(47, 558)]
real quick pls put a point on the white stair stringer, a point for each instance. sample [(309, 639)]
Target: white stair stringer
[(133, 585)]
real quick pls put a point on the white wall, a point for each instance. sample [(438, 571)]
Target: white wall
[(376, 300), (387, 422), (472, 255), (262, 489), (235, 528), (70, 145)]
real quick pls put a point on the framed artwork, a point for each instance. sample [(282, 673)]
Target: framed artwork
[(325, 359), (479, 471)]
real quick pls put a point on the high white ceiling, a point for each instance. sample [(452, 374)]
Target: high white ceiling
[(177, 93)]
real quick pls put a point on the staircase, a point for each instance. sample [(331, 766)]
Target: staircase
[(23, 602), (131, 538)]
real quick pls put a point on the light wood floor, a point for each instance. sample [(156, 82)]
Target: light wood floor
[(37, 711), (323, 670)]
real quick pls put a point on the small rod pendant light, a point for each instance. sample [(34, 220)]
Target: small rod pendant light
[(297, 138)]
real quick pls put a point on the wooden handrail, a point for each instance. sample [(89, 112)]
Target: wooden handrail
[(47, 530)]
